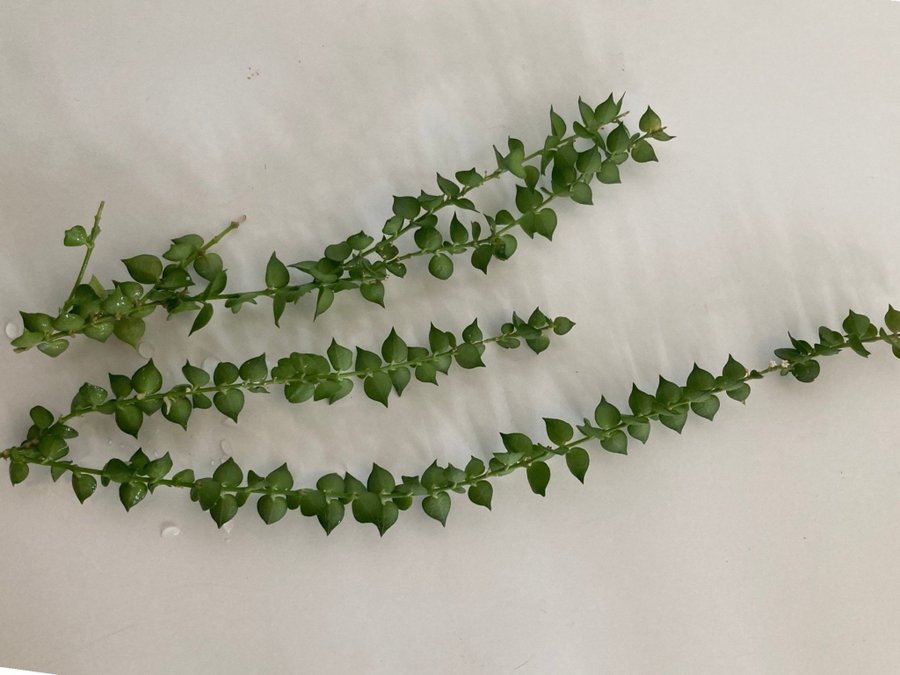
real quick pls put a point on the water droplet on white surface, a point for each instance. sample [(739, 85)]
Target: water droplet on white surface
[(210, 363), (146, 350), (12, 329), (169, 530), (225, 448)]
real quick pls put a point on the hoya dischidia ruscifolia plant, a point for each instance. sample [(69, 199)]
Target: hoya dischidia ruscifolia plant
[(379, 499), (190, 277), (300, 377)]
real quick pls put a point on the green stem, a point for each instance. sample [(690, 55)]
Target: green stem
[(89, 250)]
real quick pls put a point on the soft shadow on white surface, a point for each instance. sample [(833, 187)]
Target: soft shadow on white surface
[(762, 543)]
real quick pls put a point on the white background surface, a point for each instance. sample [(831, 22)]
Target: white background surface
[(764, 543)]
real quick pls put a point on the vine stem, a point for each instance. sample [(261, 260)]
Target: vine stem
[(89, 250)]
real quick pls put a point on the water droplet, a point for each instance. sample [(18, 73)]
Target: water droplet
[(225, 448), (210, 363), (146, 350), (12, 329), (169, 530), (228, 422)]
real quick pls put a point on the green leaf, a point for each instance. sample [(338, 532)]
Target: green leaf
[(341, 358), (538, 477), (145, 269), (557, 124), (616, 442), (18, 471), (229, 402), (338, 252), (332, 516), (892, 320), (640, 430), (208, 265), (75, 236), (481, 493), (324, 300), (609, 173), (271, 508), (225, 373), (668, 393), (437, 506), (481, 257), (856, 324), (84, 486), (277, 275), (41, 417), (559, 432), (158, 468), (178, 411), (733, 371), (203, 317), (378, 387), (225, 508), (607, 415), (129, 330), (562, 325), (406, 207), (674, 421), (470, 178), (129, 418), (640, 402), (394, 349), (448, 187), (147, 379), (582, 193), (578, 461), (468, 356), (255, 369), (99, 331), (516, 442), (440, 266), (618, 139), (706, 409), (380, 480), (650, 121), (643, 152), (360, 241), (607, 111), (196, 376), (228, 473), (739, 393), (54, 348), (426, 372), (131, 493), (806, 371), (373, 292), (400, 377), (700, 380), (280, 478)]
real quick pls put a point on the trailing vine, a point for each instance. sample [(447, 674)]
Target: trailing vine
[(379, 500), (599, 143)]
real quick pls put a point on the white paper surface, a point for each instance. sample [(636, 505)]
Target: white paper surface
[(763, 543)]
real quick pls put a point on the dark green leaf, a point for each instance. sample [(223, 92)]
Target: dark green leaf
[(255, 369), (468, 356), (607, 415), (582, 193), (807, 371), (616, 442), (481, 493), (277, 275), (145, 269), (271, 508), (131, 493), (378, 387), (196, 376), (332, 516), (373, 292), (559, 432), (42, 417), (129, 418), (437, 506), (178, 411), (406, 207), (707, 408), (84, 486), (650, 121), (380, 480), (203, 317), (394, 349), (129, 330), (440, 266), (228, 473), (147, 379), (225, 508), (229, 402), (578, 460), (538, 477), (643, 152), (18, 471), (516, 442), (225, 373)]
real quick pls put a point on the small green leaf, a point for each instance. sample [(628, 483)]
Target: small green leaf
[(640, 430), (481, 493), (856, 324), (42, 417), (131, 493), (332, 516), (470, 178), (739, 393), (733, 371), (806, 371), (178, 411), (406, 207), (538, 477), (607, 415), (616, 442), (373, 292), (54, 348), (559, 432), (516, 442), (706, 409), (158, 468), (394, 349), (84, 486), (481, 257), (277, 275), (280, 478), (643, 152), (380, 480), (360, 241), (225, 508), (437, 506), (147, 379), (75, 236), (225, 373), (271, 508), (700, 380), (228, 473), (229, 402), (18, 471), (582, 193), (145, 269), (196, 376), (440, 266), (609, 173), (341, 358), (378, 387), (557, 124), (650, 121), (129, 418), (468, 356), (255, 369), (203, 317), (578, 461), (892, 320), (129, 330)]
